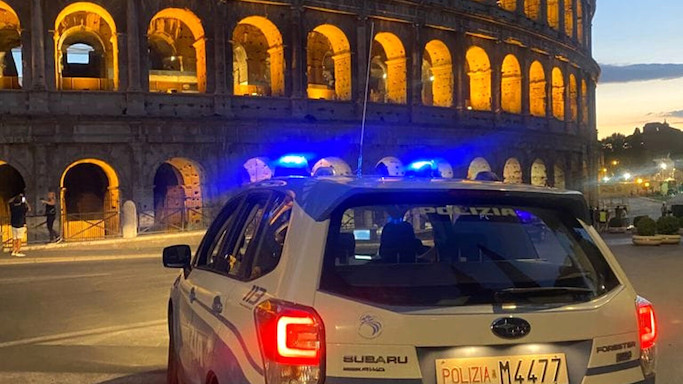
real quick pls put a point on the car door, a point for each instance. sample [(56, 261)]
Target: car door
[(194, 288), (235, 356)]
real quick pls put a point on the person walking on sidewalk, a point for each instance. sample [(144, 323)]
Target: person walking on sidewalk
[(18, 208), (50, 214)]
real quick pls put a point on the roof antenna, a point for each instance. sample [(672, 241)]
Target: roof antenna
[(359, 171)]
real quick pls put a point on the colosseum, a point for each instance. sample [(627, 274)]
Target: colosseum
[(170, 103)]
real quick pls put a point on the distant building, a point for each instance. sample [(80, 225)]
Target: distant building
[(163, 102)]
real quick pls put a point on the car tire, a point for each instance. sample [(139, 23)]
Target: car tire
[(172, 370)]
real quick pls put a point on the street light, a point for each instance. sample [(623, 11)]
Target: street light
[(627, 176), (662, 165), (605, 179)]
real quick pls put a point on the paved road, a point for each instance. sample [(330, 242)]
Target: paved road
[(104, 321), (86, 322)]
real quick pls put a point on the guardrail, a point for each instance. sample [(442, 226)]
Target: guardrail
[(175, 219), (91, 226)]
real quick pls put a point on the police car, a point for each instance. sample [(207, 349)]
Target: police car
[(343, 280)]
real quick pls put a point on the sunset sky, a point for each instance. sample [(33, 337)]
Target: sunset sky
[(630, 33)]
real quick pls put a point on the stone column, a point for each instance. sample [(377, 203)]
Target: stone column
[(415, 78), (38, 45), (362, 40), (496, 79), (575, 12), (134, 53), (219, 56), (520, 7), (543, 14), (561, 25), (298, 62), (459, 68), (526, 94)]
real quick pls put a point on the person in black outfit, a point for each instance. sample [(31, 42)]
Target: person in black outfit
[(18, 207), (50, 214)]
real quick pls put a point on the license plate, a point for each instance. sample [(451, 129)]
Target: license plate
[(527, 369)]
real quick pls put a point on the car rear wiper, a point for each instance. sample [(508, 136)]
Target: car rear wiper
[(511, 294)]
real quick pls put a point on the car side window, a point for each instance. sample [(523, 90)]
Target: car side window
[(239, 253), (273, 239), (217, 235)]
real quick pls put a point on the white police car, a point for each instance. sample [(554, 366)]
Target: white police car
[(341, 280)]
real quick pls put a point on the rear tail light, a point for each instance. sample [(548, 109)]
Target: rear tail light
[(292, 340), (647, 323), (647, 329)]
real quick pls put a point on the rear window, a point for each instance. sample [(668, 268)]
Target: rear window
[(443, 253)]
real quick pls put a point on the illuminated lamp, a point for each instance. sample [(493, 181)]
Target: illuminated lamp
[(331, 166), (421, 168), (389, 167)]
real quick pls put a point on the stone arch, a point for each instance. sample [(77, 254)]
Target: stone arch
[(569, 17), (86, 48), (334, 166), (553, 10), (388, 76), (584, 102), (512, 172), (477, 165), (558, 93), (177, 52), (537, 90), (258, 169), (90, 202), (329, 64), (11, 184), (532, 9), (539, 176), (390, 166), (508, 5), (437, 75), (573, 99), (511, 85), (479, 74), (560, 181), (11, 54), (178, 202), (258, 58)]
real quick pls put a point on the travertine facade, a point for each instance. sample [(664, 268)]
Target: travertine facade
[(162, 101)]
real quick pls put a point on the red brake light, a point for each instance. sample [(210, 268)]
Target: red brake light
[(647, 323), (290, 334)]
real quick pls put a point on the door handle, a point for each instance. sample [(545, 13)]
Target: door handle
[(193, 295), (217, 306)]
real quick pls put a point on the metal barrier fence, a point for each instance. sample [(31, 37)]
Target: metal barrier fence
[(175, 219), (6, 234), (91, 226)]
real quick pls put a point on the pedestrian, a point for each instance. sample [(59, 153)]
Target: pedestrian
[(50, 214), (18, 208), (603, 220), (664, 209)]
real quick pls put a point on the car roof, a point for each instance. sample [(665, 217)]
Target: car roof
[(319, 196)]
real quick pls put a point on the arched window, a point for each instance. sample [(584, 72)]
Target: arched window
[(537, 90), (539, 175), (584, 102), (437, 75), (258, 58), (388, 80), (479, 74), (177, 52), (477, 165), (86, 46), (329, 64), (11, 70), (573, 99), (554, 13), (558, 94), (512, 173), (511, 85), (532, 9), (569, 17), (508, 5)]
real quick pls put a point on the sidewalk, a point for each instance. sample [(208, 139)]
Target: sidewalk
[(142, 247)]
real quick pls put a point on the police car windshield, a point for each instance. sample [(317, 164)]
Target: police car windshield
[(449, 253)]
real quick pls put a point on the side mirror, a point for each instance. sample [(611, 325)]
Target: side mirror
[(177, 256)]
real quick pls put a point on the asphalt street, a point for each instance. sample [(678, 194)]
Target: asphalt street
[(105, 321)]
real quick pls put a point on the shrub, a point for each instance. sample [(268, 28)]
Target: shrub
[(637, 219), (680, 222), (646, 227), (667, 225), (615, 222)]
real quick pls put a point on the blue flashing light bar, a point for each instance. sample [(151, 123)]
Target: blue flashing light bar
[(420, 165), (293, 161)]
